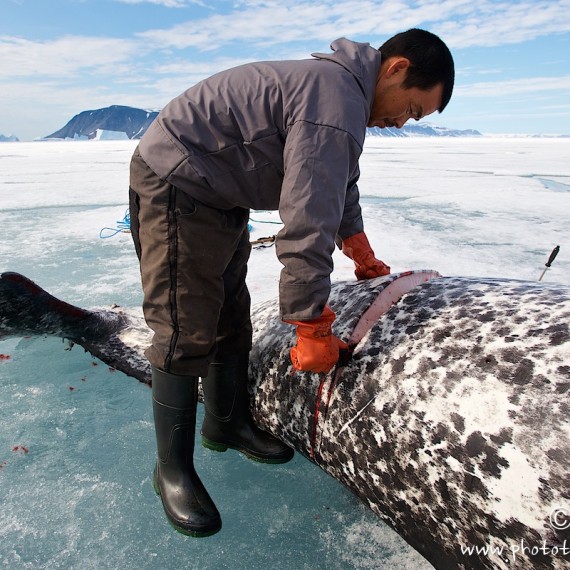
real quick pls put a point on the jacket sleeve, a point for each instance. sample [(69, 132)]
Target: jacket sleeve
[(319, 162), (352, 222)]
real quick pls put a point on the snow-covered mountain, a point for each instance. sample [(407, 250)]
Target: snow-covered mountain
[(8, 138), (115, 122)]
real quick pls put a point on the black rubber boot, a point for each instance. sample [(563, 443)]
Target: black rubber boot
[(228, 421), (186, 502)]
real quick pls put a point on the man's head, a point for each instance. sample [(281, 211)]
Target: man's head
[(415, 79)]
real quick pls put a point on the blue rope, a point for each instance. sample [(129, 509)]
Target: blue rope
[(123, 225)]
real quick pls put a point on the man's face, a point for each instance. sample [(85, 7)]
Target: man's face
[(393, 105)]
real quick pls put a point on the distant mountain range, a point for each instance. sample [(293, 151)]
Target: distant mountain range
[(120, 122), (421, 130), (8, 138)]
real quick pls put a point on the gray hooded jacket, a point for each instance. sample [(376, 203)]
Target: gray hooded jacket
[(283, 135)]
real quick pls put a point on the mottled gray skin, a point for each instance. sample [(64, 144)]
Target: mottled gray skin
[(451, 421)]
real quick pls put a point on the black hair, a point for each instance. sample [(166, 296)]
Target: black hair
[(431, 62)]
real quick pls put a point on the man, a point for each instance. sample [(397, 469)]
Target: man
[(270, 135)]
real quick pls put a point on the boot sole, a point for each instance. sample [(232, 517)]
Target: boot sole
[(221, 447), (181, 529)]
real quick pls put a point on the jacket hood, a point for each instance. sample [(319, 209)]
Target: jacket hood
[(360, 59)]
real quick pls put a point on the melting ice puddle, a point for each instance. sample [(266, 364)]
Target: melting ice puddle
[(554, 185)]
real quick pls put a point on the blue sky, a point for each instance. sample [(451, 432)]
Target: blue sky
[(61, 57)]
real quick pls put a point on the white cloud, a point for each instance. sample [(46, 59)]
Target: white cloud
[(511, 87), (488, 23), (273, 23), (269, 24), (165, 3), (197, 69), (467, 71), (461, 23), (62, 57)]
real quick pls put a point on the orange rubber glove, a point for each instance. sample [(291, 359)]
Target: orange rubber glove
[(367, 266), (317, 349)]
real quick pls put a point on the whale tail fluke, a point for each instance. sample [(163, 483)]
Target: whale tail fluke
[(27, 309)]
